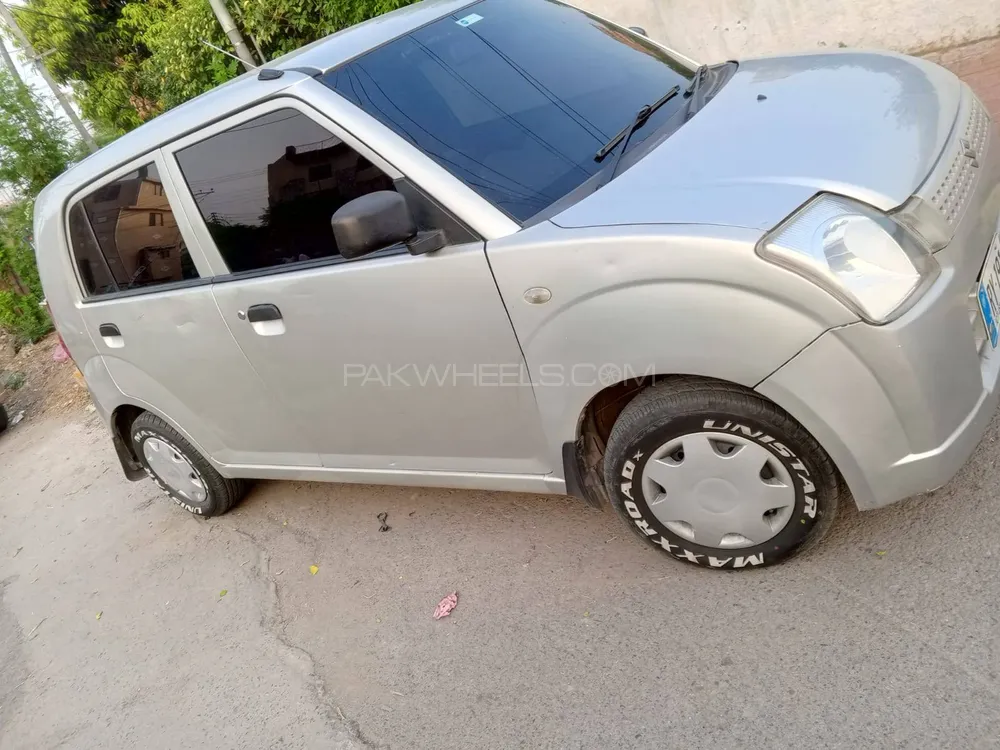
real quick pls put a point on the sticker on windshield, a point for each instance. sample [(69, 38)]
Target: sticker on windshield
[(469, 19)]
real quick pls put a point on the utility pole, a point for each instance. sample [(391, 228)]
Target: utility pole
[(256, 45), (11, 22), (10, 62), (229, 26)]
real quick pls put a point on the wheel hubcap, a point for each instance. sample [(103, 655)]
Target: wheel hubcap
[(174, 470), (718, 490)]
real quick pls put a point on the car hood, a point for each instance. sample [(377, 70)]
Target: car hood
[(865, 125)]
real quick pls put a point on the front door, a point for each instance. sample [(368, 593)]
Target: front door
[(390, 362), (148, 306)]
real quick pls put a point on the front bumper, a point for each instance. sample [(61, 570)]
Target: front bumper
[(901, 407)]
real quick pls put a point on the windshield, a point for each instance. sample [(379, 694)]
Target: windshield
[(514, 97)]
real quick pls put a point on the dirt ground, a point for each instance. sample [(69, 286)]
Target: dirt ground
[(125, 622), (49, 388)]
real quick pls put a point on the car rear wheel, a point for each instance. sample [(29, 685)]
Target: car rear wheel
[(181, 471), (718, 476)]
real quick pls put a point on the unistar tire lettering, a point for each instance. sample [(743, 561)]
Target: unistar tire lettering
[(808, 488), (810, 509), (781, 450)]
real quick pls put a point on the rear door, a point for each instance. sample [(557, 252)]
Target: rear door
[(146, 299), (391, 362)]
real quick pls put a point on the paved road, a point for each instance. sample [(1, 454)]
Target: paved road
[(568, 633)]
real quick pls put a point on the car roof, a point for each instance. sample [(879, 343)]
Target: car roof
[(318, 57)]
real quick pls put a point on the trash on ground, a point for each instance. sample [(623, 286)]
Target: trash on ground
[(223, 593), (314, 569), (98, 617), (446, 605), (18, 418), (383, 517), (60, 353)]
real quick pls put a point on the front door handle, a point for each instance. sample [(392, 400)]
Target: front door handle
[(111, 335), (266, 320)]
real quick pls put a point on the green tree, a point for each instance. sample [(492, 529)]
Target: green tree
[(129, 60), (34, 147)]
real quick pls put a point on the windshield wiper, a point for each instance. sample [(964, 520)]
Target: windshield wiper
[(692, 91), (626, 133)]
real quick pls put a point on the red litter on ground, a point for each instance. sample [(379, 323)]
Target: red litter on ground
[(446, 605)]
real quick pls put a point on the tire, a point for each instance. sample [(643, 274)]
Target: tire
[(723, 431), (3, 418), (184, 469)]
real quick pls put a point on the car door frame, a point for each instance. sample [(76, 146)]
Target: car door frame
[(189, 424), (381, 146), (400, 161), (81, 301), (184, 225)]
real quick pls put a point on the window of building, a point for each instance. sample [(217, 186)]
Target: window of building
[(120, 244), (261, 189)]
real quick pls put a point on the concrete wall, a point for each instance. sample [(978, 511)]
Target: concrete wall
[(710, 30)]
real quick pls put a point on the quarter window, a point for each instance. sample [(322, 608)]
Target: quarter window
[(268, 188), (125, 236)]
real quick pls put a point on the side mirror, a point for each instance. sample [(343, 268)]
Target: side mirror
[(379, 220), (639, 30)]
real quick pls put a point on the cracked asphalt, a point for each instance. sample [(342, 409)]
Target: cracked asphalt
[(568, 633)]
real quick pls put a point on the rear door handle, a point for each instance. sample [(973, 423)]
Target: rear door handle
[(111, 335), (266, 320)]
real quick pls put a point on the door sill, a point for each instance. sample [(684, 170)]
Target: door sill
[(464, 480)]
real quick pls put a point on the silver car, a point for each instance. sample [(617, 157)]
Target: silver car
[(509, 245)]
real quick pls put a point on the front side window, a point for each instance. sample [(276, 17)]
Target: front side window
[(125, 236), (268, 188), (514, 97)]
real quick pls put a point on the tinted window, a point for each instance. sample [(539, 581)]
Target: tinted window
[(514, 97), (125, 236), (268, 188)]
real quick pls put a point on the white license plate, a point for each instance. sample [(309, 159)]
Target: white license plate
[(989, 291)]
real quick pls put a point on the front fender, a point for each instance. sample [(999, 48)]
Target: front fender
[(650, 300)]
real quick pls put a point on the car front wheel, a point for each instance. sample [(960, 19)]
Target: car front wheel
[(718, 476)]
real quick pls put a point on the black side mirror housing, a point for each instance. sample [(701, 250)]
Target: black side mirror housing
[(377, 221), (639, 30), (372, 222)]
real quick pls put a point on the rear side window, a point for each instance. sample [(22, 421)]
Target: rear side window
[(268, 188), (125, 236)]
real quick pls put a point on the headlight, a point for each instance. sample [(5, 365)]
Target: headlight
[(926, 222), (855, 252)]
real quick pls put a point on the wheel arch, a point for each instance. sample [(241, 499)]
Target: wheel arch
[(583, 458), (120, 422), (121, 425)]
